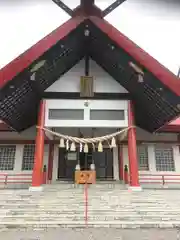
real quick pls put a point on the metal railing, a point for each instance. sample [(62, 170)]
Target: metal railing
[(7, 178), (144, 178), (162, 179)]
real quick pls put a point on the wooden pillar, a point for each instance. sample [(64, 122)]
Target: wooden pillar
[(37, 176), (132, 149)]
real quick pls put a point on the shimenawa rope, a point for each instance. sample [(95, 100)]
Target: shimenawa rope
[(88, 140)]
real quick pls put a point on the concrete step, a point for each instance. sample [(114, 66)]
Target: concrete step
[(91, 203), (66, 214), (90, 197), (43, 219), (91, 211), (94, 193), (77, 217), (104, 194), (82, 224), (95, 204), (91, 208), (60, 204), (64, 205)]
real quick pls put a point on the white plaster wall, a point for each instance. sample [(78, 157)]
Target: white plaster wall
[(70, 82), (86, 122), (115, 164), (55, 163)]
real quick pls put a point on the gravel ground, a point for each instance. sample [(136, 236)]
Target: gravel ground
[(90, 234)]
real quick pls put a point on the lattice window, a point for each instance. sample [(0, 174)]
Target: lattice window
[(164, 159), (143, 161), (28, 157), (7, 157)]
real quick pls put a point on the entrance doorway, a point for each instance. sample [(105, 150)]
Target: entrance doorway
[(103, 163)]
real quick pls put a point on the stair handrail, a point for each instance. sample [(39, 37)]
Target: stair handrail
[(5, 178), (150, 178)]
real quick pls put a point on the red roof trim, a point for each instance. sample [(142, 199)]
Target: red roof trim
[(162, 73), (25, 59), (170, 128), (175, 122), (4, 127), (173, 126)]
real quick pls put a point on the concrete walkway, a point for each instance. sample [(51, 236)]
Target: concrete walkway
[(90, 234)]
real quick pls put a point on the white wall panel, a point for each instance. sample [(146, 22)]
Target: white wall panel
[(80, 104), (70, 82)]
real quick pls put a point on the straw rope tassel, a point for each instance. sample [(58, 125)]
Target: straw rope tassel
[(122, 134)]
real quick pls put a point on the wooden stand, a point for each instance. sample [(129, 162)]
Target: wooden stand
[(82, 177)]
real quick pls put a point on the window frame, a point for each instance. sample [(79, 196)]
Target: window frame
[(142, 167), (23, 168), (14, 149), (172, 163)]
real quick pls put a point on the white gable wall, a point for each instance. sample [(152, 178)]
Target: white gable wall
[(70, 82)]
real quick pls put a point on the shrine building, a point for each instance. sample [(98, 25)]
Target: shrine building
[(86, 80)]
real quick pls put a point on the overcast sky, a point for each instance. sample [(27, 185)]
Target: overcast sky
[(153, 25)]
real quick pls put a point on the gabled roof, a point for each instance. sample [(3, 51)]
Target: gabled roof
[(156, 98), (16, 66), (143, 58)]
